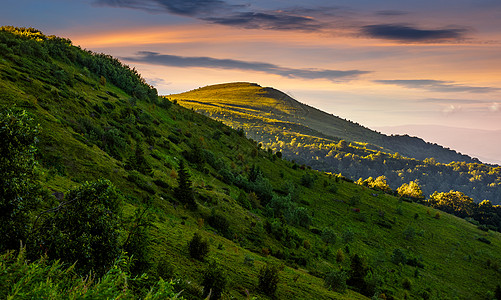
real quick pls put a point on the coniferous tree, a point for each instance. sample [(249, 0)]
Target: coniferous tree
[(184, 192), (214, 281)]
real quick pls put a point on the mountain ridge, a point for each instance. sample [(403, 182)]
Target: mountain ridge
[(481, 143), (323, 122)]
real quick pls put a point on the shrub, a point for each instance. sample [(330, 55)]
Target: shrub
[(214, 281), (308, 180), (398, 257), (85, 229), (329, 236), (339, 256), (220, 223), (407, 284), (198, 247), (348, 235), (409, 233), (336, 281), (268, 280)]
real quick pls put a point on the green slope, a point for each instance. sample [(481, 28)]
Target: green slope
[(91, 128)]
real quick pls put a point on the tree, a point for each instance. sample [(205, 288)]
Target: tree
[(268, 279), (411, 190), (453, 202), (84, 228), (336, 280), (381, 184), (214, 281), (138, 162), (184, 192), (18, 189), (198, 247), (357, 273)]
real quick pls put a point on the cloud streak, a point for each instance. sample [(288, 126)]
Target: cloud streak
[(209, 62), (275, 20), (438, 86), (193, 8), (407, 33)]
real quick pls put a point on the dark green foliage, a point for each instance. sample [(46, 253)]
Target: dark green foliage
[(18, 188), (184, 192), (398, 257), (114, 143), (308, 180), (336, 281), (138, 162), (407, 284), (84, 228), (357, 274), (195, 155), (329, 236), (243, 199), (198, 247), (409, 233), (137, 244), (268, 279), (214, 281), (484, 240), (348, 235), (497, 292), (45, 279), (220, 223)]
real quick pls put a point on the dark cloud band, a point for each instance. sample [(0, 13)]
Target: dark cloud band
[(438, 86), (406, 33), (208, 62)]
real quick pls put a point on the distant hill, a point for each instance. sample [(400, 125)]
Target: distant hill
[(329, 143), (483, 144), (253, 103), (249, 212)]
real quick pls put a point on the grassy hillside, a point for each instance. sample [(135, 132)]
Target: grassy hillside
[(254, 208), (331, 144)]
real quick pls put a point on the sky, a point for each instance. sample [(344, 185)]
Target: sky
[(378, 63)]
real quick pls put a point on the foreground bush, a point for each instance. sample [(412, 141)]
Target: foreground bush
[(42, 279)]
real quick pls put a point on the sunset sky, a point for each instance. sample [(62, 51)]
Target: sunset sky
[(379, 63)]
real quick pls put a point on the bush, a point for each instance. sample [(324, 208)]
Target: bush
[(348, 235), (407, 284), (214, 281), (329, 236), (409, 233), (336, 281), (84, 229), (198, 247), (268, 280), (308, 180), (220, 223), (398, 257)]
